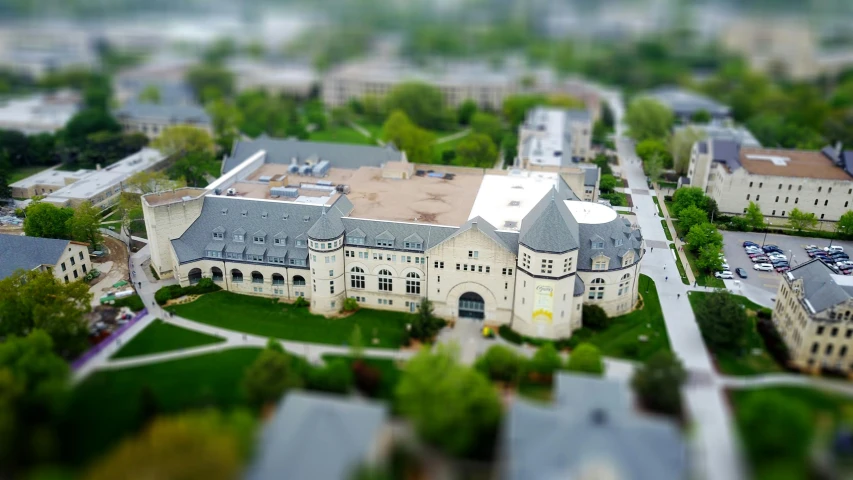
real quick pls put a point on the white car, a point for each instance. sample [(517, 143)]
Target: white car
[(777, 256), (724, 274), (725, 266), (809, 247), (834, 248), (764, 267)]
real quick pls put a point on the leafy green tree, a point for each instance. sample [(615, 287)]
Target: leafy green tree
[(509, 147), (690, 216), (754, 217), (192, 169), (210, 82), (600, 132), (466, 110), (426, 325), (85, 225), (685, 197), (450, 405), (183, 138), (315, 114), (146, 182), (150, 94), (723, 322), (488, 124), (680, 144), (515, 108), (702, 235), (594, 317), (5, 169), (709, 258), (87, 122), (545, 361), (844, 227), (476, 150), (799, 220), (653, 167), (776, 426), (226, 119), (421, 102), (650, 147), (701, 117), (586, 358), (46, 220), (335, 377), (416, 142), (658, 383), (270, 376), (648, 119), (607, 184), (500, 363), (33, 396), (603, 162)]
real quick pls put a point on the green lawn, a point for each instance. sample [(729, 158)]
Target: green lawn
[(621, 339), (161, 337), (106, 406), (341, 135), (114, 215), (747, 363), (681, 271), (703, 280), (270, 318), (667, 184), (390, 373), (666, 230), (20, 173), (657, 205), (827, 409)]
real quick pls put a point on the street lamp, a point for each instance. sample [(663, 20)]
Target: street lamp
[(765, 238)]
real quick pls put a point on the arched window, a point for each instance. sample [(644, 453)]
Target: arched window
[(277, 279), (385, 282), (257, 277), (626, 276), (413, 283), (216, 274), (624, 284), (357, 277), (597, 280), (236, 276), (596, 293), (194, 276), (298, 281)]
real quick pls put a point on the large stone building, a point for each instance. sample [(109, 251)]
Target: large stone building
[(777, 180), (515, 247), (67, 260), (814, 315), (42, 113), (152, 118), (554, 137)]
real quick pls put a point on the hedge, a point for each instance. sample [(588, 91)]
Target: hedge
[(512, 336), (170, 292), (133, 302)]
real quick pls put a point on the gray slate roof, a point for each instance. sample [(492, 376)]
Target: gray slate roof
[(281, 151), (479, 223), (328, 227), (550, 227), (610, 232), (590, 176), (727, 152), (590, 431), (166, 112), (370, 229), (315, 436), (820, 289), (579, 287), (685, 102), (20, 252)]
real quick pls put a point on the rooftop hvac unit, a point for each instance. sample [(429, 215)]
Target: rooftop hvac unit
[(265, 178), (293, 168), (321, 169), (305, 169), (231, 192), (325, 183), (342, 188), (284, 192)]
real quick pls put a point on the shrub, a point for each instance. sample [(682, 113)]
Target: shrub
[(170, 292), (300, 302), (510, 335), (586, 358), (154, 272), (335, 377), (738, 224), (500, 363), (367, 378), (350, 305), (595, 318), (426, 326), (133, 302), (545, 361)]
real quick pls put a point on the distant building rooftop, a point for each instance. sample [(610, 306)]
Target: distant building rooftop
[(724, 132), (164, 112), (20, 252), (685, 103), (791, 163), (44, 113), (548, 135)]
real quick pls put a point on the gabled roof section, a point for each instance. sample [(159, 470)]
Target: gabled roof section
[(821, 286), (260, 233), (219, 229), (618, 228), (414, 238), (280, 235), (372, 230), (480, 224), (239, 231), (386, 235), (550, 227), (327, 227), (27, 253), (357, 233)]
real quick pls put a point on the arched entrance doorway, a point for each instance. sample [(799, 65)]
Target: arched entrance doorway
[(194, 276), (472, 305)]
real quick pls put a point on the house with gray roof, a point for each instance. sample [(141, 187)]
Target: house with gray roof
[(813, 314), (152, 118), (590, 431), (685, 104), (67, 260), (314, 436)]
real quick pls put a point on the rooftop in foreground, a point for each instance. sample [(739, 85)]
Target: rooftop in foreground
[(791, 163)]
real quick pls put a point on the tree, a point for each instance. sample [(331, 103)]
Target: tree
[(426, 325), (653, 167), (681, 144), (421, 102), (515, 108), (844, 227), (192, 169), (607, 184), (146, 182), (799, 220), (658, 382), (754, 217), (226, 119), (315, 114), (33, 299), (776, 426), (685, 197), (690, 216), (85, 225), (5, 169), (183, 138), (335, 377), (270, 376), (476, 150), (595, 318), (650, 147), (701, 117), (702, 235), (205, 444), (87, 122), (210, 82), (500, 363), (46, 220), (509, 147), (709, 258), (465, 111), (648, 119), (150, 94), (488, 124), (586, 358), (545, 361), (723, 321), (416, 142), (33, 395), (450, 405)]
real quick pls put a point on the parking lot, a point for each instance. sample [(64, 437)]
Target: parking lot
[(791, 246)]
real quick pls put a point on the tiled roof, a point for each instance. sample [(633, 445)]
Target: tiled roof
[(550, 227), (821, 289), (27, 253), (165, 112), (327, 227), (610, 232), (371, 229)]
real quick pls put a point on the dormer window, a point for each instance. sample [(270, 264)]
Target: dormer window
[(258, 239), (300, 243), (385, 243), (264, 214), (597, 245), (244, 213), (306, 218), (225, 211), (413, 245), (238, 237), (285, 216), (218, 235), (355, 240), (618, 242)]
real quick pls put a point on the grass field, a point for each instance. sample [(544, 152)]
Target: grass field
[(827, 411), (107, 406), (439, 148), (657, 205), (21, 173), (161, 337), (341, 135), (747, 363), (270, 318)]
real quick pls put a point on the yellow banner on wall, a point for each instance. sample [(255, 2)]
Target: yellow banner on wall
[(543, 302)]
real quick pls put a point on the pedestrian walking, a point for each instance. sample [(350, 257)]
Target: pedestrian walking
[(664, 267), (679, 295), (653, 249), (665, 279)]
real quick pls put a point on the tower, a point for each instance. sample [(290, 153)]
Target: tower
[(326, 252)]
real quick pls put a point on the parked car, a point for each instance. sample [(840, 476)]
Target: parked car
[(748, 243), (756, 254), (839, 255), (771, 248), (783, 268), (763, 267), (724, 274), (740, 272), (811, 247), (761, 259), (834, 248), (725, 266)]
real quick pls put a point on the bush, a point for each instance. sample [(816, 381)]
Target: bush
[(500, 363), (170, 292), (426, 326), (586, 358), (300, 302), (367, 378), (510, 335), (738, 224), (335, 377), (595, 318), (350, 305), (133, 302)]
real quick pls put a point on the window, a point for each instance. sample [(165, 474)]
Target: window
[(525, 261), (413, 283), (412, 245), (458, 266), (218, 235), (81, 255), (747, 196), (63, 266), (780, 186), (66, 279), (815, 346), (546, 266), (815, 202), (236, 276), (821, 215), (332, 287), (385, 282), (600, 264), (819, 189), (384, 243), (596, 292), (298, 281), (84, 268), (349, 253), (833, 332), (789, 187), (828, 349), (757, 198), (300, 243), (597, 245), (331, 273), (825, 203), (439, 264), (820, 330), (796, 200), (238, 238), (750, 184), (258, 239), (773, 213), (488, 269), (777, 198), (473, 253), (72, 261), (357, 277), (355, 240), (506, 271), (75, 273), (760, 184)]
